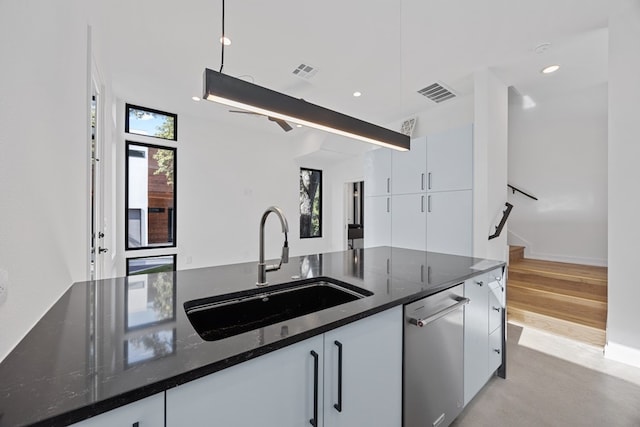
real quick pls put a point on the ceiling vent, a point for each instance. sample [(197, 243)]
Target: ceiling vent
[(305, 71), (437, 92)]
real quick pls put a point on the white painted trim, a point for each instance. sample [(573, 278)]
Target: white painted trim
[(597, 262), (622, 353)]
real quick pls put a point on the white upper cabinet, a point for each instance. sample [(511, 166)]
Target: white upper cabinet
[(409, 168), (409, 221), (377, 172), (450, 160), (377, 217), (450, 222)]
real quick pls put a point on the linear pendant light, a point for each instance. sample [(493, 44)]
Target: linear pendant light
[(238, 93)]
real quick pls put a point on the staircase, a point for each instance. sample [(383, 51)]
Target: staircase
[(561, 298)]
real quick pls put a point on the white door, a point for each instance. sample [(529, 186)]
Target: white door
[(377, 221), (450, 160), (409, 168), (366, 389), (409, 221), (450, 222), (277, 389), (377, 172)]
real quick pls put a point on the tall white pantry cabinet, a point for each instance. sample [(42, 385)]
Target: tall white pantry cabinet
[(422, 198)]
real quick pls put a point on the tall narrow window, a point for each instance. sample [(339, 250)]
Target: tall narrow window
[(150, 196), (310, 203)]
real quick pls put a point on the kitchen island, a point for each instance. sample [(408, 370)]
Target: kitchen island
[(108, 343)]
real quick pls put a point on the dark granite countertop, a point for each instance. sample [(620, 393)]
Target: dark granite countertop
[(109, 342)]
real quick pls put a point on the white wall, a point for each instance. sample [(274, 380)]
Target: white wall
[(623, 335), (558, 152), (44, 161), (226, 178), (490, 164)]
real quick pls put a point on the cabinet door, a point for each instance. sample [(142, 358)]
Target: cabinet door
[(476, 336), (370, 390), (450, 160), (495, 350), (409, 221), (147, 412), (450, 222), (377, 172), (276, 389), (377, 221), (409, 168)]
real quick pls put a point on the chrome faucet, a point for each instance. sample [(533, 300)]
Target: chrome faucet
[(262, 267)]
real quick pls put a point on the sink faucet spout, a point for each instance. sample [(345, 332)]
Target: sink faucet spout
[(284, 258)]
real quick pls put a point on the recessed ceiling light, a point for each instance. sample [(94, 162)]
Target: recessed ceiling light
[(550, 69), (195, 98), (357, 94), (225, 41)]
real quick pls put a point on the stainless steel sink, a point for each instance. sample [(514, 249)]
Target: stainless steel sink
[(222, 316)]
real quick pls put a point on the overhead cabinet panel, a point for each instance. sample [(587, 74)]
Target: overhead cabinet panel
[(450, 222), (450, 160), (409, 168), (377, 172), (409, 221)]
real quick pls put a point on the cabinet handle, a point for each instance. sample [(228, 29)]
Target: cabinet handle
[(388, 266), (338, 405), (422, 273), (388, 207), (497, 350), (314, 421), (388, 185), (422, 181), (136, 424), (428, 203), (429, 181), (496, 309), (479, 283), (422, 204)]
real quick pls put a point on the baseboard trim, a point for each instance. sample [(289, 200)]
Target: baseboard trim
[(596, 262), (622, 353)]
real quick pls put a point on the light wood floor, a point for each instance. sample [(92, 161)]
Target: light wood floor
[(567, 299)]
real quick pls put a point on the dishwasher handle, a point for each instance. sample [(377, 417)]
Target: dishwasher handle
[(435, 316)]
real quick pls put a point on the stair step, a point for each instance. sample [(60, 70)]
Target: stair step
[(516, 253), (583, 311), (564, 286), (559, 270), (561, 327)]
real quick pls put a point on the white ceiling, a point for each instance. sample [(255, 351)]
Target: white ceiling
[(157, 50)]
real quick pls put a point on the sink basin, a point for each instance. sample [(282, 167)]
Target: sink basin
[(222, 316)]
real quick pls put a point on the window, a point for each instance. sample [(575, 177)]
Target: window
[(151, 264), (149, 122), (310, 203), (150, 196)]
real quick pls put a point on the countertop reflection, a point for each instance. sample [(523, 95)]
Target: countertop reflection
[(106, 343)]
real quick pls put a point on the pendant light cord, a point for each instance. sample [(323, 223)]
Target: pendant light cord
[(222, 40)]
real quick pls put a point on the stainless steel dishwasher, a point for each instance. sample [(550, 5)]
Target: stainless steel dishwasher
[(433, 359)]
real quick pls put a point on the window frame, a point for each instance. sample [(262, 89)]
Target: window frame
[(128, 107), (172, 243), (320, 207)]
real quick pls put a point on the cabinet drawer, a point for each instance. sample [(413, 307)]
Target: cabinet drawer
[(495, 350), (146, 412)]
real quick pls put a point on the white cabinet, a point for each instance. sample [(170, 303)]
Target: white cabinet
[(482, 330), (450, 222), (409, 221), (371, 386), (409, 168), (349, 376), (147, 412), (277, 389), (377, 220), (450, 160), (377, 172)]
